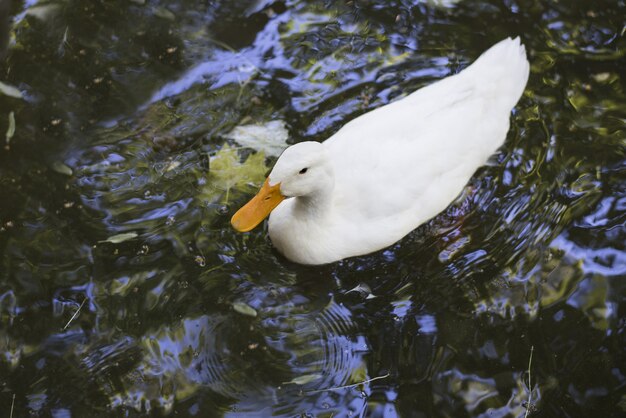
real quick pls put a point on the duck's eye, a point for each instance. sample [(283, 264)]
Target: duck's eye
[(304, 170)]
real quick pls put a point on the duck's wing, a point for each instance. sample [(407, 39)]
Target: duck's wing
[(412, 157)]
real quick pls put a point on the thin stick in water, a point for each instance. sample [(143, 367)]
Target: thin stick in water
[(12, 404), (530, 388), (75, 314), (349, 386)]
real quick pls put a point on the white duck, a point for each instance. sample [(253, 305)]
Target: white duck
[(389, 170)]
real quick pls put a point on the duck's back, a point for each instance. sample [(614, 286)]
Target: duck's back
[(400, 165)]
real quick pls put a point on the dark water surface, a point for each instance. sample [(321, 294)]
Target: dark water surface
[(123, 127)]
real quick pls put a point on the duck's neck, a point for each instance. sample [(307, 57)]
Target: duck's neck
[(316, 205)]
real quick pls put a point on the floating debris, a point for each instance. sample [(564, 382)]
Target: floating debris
[(601, 77), (75, 314), (200, 260), (362, 289), (11, 128), (9, 90), (163, 13), (530, 388), (172, 165), (303, 380), (61, 168), (244, 309), (43, 12), (119, 238), (350, 386)]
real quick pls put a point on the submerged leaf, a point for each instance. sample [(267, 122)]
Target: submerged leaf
[(244, 309), (271, 138), (228, 173), (9, 90), (119, 238)]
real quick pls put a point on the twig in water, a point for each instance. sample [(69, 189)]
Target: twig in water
[(75, 313), (530, 388), (12, 404), (349, 386)]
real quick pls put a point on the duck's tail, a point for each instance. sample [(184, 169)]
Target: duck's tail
[(502, 72)]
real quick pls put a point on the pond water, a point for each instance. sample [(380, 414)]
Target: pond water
[(125, 292)]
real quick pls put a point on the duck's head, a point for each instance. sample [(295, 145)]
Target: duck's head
[(302, 170)]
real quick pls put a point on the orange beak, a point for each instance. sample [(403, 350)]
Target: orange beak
[(258, 208)]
